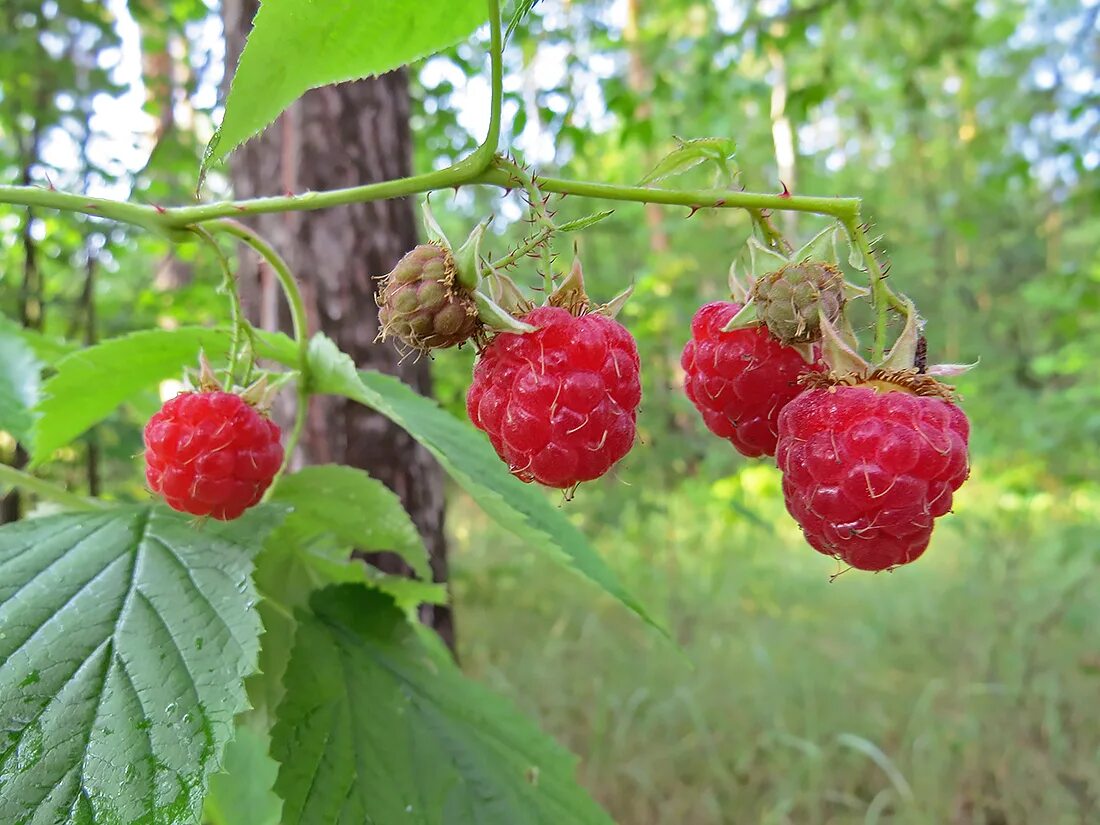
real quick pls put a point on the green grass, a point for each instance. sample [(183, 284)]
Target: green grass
[(963, 689)]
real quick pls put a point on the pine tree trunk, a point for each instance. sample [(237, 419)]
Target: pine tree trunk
[(335, 137)]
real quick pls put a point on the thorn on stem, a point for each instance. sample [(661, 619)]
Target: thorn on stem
[(694, 209), (786, 193)]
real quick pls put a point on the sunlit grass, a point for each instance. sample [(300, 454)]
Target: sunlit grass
[(959, 690)]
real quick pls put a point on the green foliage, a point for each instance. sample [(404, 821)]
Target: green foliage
[(344, 506), (689, 154), (978, 167), (20, 370), (47, 350), (944, 672), (294, 47), (96, 729), (91, 383), (446, 752), (470, 461), (242, 793)]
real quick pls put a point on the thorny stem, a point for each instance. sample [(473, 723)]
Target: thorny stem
[(240, 325), (298, 319), (540, 216), (772, 236), (523, 250), (478, 168), (46, 489), (882, 297)]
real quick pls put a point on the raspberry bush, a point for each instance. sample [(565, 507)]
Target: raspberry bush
[(146, 647)]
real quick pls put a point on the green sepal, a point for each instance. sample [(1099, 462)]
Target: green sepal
[(468, 257), (822, 247), (570, 292), (504, 292), (432, 228), (839, 354), (903, 354), (496, 317), (745, 317), (951, 370)]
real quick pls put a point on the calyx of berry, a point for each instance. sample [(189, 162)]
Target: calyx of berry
[(797, 289), (898, 371), (572, 296)]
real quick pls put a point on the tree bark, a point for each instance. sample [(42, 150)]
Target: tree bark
[(333, 137)]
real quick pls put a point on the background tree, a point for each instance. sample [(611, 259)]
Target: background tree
[(335, 137)]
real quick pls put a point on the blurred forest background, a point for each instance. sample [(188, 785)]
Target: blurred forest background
[(960, 690)]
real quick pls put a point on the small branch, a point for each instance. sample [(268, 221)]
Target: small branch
[(772, 236), (841, 208), (47, 489), (882, 297), (298, 319), (241, 327), (527, 247)]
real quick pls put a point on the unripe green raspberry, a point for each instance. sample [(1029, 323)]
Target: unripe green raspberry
[(793, 298), (422, 304)]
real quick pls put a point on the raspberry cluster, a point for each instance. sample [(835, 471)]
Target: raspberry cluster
[(559, 404), (211, 454)]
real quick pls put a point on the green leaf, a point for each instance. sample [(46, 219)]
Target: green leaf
[(296, 46), (351, 509), (522, 9), (242, 794), (469, 459), (125, 637), (586, 221), (91, 383), (46, 348), (690, 153), (20, 370), (376, 727)]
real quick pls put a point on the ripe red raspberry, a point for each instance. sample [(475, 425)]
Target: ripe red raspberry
[(211, 454), (559, 404), (868, 468), (740, 380)]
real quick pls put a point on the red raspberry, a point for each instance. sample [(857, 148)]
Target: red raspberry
[(867, 469), (740, 380), (559, 404), (211, 454)]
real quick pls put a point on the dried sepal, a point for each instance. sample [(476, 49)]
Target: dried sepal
[(613, 307)]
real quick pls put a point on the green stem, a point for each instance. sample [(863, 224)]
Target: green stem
[(164, 220), (240, 325), (298, 319), (45, 489), (282, 272), (524, 249), (882, 297), (539, 214), (772, 236)]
